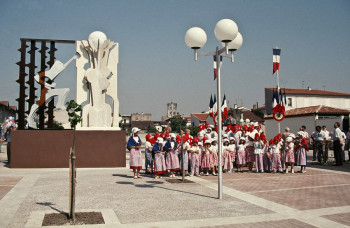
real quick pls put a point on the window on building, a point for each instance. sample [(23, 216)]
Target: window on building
[(289, 102)]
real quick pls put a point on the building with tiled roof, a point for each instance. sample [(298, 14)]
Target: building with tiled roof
[(310, 117), (6, 110), (198, 118), (300, 98)]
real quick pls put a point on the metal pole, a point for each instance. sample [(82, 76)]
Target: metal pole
[(218, 95), (182, 157), (278, 90)]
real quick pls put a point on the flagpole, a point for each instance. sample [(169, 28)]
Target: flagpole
[(278, 90)]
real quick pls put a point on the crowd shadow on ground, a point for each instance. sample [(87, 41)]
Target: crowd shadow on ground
[(5, 164), (50, 205), (157, 184)]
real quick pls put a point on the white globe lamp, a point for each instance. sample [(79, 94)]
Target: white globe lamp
[(235, 44), (195, 38), (226, 30)]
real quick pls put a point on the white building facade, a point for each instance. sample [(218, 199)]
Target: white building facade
[(300, 98)]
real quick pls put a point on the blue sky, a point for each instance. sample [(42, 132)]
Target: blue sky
[(155, 65)]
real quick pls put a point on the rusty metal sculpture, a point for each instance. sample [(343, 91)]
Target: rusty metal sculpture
[(31, 96)]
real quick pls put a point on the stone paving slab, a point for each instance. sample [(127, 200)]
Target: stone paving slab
[(264, 183), (157, 203), (271, 224), (310, 198), (343, 218), (133, 201), (4, 190)]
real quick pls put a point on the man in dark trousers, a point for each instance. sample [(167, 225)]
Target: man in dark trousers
[(336, 145)]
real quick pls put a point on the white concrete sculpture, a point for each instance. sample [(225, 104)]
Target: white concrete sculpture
[(97, 81), (50, 91)]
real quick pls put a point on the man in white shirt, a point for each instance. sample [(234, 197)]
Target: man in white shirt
[(336, 145), (327, 141), (317, 141)]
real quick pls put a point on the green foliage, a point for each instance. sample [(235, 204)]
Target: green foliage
[(176, 123), (194, 130), (128, 132), (151, 129), (73, 108)]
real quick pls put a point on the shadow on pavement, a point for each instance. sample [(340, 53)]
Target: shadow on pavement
[(48, 204), (155, 184)]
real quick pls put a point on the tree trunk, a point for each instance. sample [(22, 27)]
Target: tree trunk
[(72, 178)]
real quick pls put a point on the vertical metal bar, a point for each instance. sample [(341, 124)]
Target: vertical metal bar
[(41, 110), (31, 81), (218, 95), (22, 88), (51, 105)]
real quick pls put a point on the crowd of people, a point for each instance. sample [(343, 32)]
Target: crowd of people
[(243, 145)]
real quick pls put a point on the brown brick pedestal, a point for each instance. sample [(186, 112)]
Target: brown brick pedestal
[(50, 148)]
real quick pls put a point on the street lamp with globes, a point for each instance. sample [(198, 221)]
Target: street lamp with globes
[(226, 31)]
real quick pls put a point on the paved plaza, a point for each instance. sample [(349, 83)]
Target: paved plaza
[(318, 198)]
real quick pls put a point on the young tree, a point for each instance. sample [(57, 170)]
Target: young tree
[(74, 113), (177, 123)]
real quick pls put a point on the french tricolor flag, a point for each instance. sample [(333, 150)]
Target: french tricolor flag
[(215, 66), (276, 60)]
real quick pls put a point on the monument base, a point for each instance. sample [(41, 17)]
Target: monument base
[(50, 148)]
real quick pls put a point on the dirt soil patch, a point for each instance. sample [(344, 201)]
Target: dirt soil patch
[(81, 218)]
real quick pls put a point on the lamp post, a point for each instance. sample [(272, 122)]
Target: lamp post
[(226, 31)]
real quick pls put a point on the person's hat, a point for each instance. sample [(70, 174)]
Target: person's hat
[(207, 141), (287, 129), (200, 144), (160, 140), (242, 138), (232, 138), (226, 140), (289, 139), (172, 135), (247, 120), (134, 130), (301, 133)]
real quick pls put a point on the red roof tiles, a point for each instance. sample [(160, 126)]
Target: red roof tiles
[(319, 109), (200, 116), (313, 92)]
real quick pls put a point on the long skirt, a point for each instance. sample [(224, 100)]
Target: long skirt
[(227, 160), (207, 161), (185, 160), (215, 159), (276, 162), (259, 163), (135, 159), (289, 156), (194, 163), (250, 156), (240, 157), (233, 156), (159, 164), (172, 161), (301, 156)]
